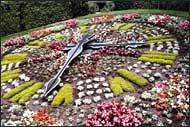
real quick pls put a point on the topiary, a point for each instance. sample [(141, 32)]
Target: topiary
[(133, 77)]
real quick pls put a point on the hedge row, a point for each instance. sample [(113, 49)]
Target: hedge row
[(18, 16)]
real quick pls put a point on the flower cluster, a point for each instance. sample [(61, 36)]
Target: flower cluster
[(43, 118), (71, 23), (184, 24), (160, 19), (131, 16), (56, 45), (112, 51), (101, 19), (113, 114), (41, 58), (15, 42), (174, 95), (40, 33)]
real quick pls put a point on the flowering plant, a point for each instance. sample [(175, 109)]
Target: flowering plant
[(101, 19), (39, 33), (131, 16), (56, 45), (16, 41), (42, 117), (160, 19), (184, 24), (71, 23), (113, 114)]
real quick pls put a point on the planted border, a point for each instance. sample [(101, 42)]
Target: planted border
[(18, 89), (133, 77)]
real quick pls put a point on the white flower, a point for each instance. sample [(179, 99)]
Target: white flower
[(145, 95), (129, 99)]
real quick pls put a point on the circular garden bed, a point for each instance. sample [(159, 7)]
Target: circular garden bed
[(115, 85)]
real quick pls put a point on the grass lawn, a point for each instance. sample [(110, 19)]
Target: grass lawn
[(84, 18)]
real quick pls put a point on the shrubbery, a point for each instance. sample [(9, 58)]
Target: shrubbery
[(132, 76)]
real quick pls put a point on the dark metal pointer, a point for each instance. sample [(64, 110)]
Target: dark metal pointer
[(72, 54)]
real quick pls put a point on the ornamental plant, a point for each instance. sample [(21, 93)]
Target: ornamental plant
[(160, 19), (130, 16), (40, 33), (15, 42), (56, 45), (184, 24), (113, 114), (42, 117), (132, 76), (101, 19), (71, 23)]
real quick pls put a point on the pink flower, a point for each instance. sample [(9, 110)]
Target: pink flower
[(112, 113), (15, 42), (131, 16), (160, 19), (183, 24), (71, 23)]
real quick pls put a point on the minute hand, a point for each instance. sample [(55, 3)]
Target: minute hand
[(73, 53)]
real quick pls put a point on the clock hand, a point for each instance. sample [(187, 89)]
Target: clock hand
[(73, 53), (98, 45)]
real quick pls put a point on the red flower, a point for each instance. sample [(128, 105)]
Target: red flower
[(112, 113)]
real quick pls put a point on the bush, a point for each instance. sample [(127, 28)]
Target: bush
[(128, 26), (115, 87), (64, 94), (156, 56), (156, 60), (18, 89), (160, 37), (159, 53), (92, 7), (13, 58), (133, 77), (5, 76), (109, 6), (24, 95), (118, 26), (31, 91)]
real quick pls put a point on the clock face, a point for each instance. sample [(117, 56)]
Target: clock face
[(97, 74)]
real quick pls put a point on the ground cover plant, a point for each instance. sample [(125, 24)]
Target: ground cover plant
[(141, 76)]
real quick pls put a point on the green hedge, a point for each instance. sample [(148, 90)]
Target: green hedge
[(19, 16)]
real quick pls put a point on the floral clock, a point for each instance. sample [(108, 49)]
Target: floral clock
[(113, 85)]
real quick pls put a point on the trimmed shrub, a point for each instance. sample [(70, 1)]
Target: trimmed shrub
[(5, 76), (64, 94), (127, 27), (118, 26), (109, 6), (31, 91), (156, 60), (92, 6), (133, 77), (115, 87), (68, 94), (161, 40), (83, 29), (38, 43), (125, 85), (18, 89), (160, 53), (155, 56), (160, 37), (13, 58)]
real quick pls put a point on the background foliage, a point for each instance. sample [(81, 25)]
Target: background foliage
[(17, 16)]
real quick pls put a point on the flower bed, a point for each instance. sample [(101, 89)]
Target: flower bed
[(145, 83)]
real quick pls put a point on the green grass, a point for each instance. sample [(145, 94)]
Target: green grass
[(84, 19)]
